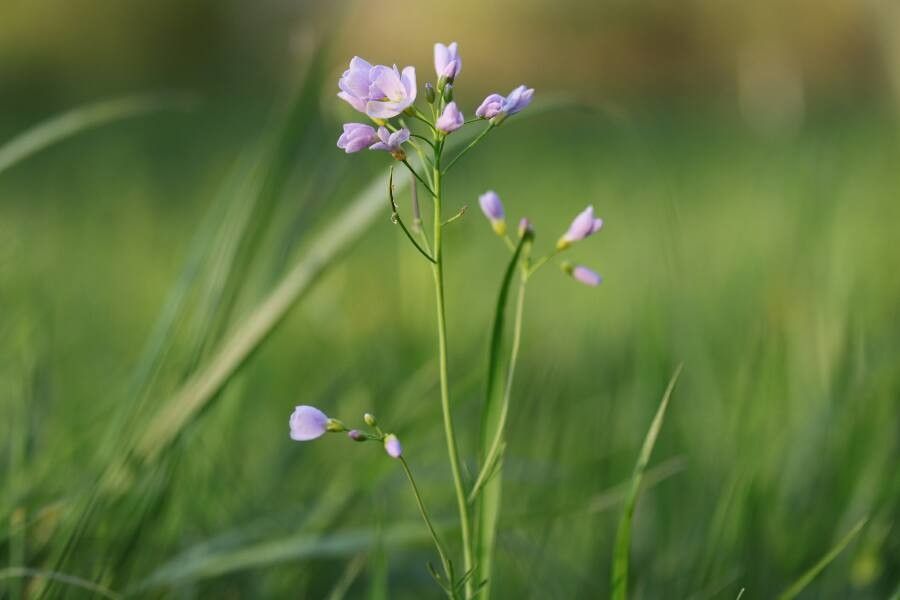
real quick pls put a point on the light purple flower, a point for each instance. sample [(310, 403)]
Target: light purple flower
[(517, 100), (356, 137), (492, 208), (390, 91), (582, 226), (447, 62), (490, 107), (586, 276), (355, 82), (308, 423), (392, 446), (450, 120), (391, 142)]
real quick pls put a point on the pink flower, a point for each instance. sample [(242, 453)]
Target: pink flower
[(390, 91), (308, 423), (356, 137)]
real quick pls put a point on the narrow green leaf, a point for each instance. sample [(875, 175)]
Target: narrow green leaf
[(74, 121), (805, 579), (619, 582), (492, 422)]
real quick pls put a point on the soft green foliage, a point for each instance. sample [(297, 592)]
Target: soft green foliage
[(768, 268)]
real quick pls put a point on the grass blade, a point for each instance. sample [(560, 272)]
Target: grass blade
[(74, 121), (619, 582), (805, 579)]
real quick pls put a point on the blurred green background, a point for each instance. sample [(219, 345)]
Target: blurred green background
[(743, 155)]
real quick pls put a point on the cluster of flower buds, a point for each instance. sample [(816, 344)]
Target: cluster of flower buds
[(308, 423), (584, 225), (382, 93)]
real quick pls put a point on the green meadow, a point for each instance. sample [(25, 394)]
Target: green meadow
[(173, 281)]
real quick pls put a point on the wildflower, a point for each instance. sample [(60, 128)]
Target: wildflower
[(582, 274), (447, 63), (392, 446), (355, 83), (390, 91), (356, 435), (517, 100), (450, 120), (490, 107), (356, 137), (582, 226), (493, 210), (308, 423), (391, 142)]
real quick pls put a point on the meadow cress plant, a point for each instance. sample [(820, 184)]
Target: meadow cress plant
[(387, 96)]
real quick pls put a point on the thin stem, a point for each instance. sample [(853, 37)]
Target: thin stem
[(417, 114), (423, 138), (488, 467), (395, 217), (445, 562), (419, 177), (471, 145), (438, 272), (541, 262)]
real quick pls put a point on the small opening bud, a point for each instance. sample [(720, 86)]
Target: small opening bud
[(429, 93), (525, 227), (369, 418), (357, 435)]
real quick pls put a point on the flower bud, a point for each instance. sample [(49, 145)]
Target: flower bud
[(369, 418), (582, 226), (450, 120), (525, 227), (356, 435), (448, 92), (492, 208), (392, 446), (429, 93), (582, 274)]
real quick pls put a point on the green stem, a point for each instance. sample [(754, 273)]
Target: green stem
[(419, 177), (438, 272), (395, 217), (445, 562), (471, 145)]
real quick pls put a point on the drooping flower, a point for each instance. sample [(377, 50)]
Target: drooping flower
[(585, 275), (392, 446), (450, 120), (390, 91), (356, 137), (355, 83), (492, 208), (308, 423), (447, 62), (517, 100), (490, 107), (582, 226), (391, 142)]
